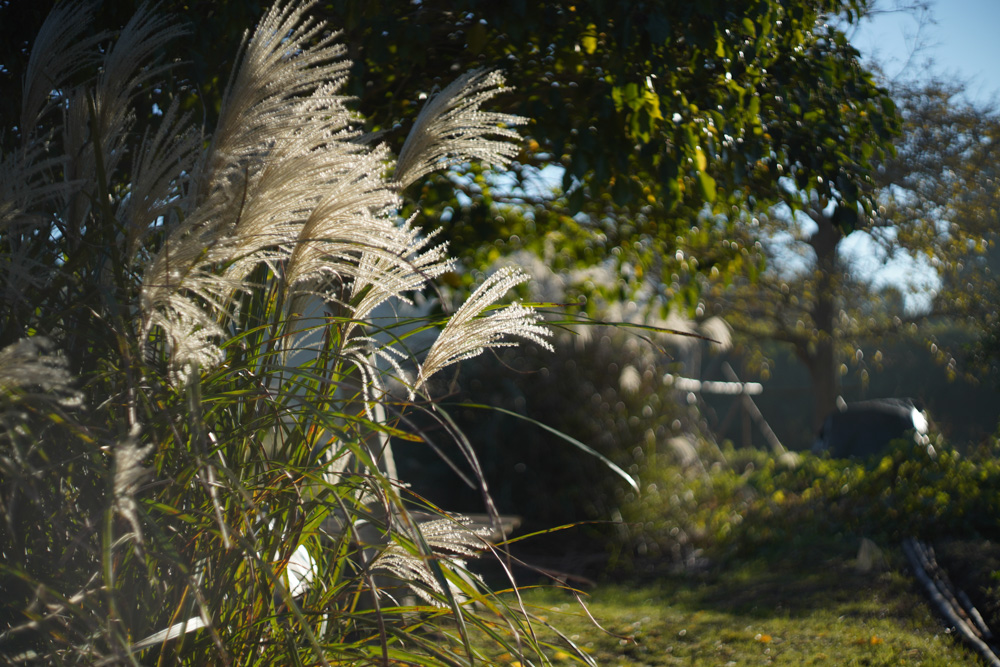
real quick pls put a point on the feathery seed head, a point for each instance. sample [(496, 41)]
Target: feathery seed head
[(469, 332), (33, 363), (61, 49), (452, 129), (286, 183), (446, 538)]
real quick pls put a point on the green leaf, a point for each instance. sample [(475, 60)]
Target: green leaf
[(707, 185), (630, 95)]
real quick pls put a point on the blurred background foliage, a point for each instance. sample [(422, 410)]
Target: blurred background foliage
[(651, 111)]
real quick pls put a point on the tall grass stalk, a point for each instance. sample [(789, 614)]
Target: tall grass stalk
[(196, 402)]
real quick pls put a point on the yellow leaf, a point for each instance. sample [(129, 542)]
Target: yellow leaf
[(589, 39)]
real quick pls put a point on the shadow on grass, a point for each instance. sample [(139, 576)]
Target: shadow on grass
[(803, 606)]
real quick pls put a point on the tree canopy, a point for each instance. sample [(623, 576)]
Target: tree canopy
[(653, 111)]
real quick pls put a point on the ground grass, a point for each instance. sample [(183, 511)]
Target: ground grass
[(795, 609)]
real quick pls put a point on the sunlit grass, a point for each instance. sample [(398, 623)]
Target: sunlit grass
[(789, 612)]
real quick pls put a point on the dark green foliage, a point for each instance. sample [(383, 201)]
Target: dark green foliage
[(604, 387), (903, 364), (652, 112), (937, 203)]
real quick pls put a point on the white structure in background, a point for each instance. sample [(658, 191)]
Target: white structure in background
[(713, 387)]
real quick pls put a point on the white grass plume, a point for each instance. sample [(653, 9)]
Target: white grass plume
[(61, 49), (126, 67), (448, 539), (280, 111), (381, 278), (356, 216), (159, 171), (287, 58), (25, 190), (33, 366), (452, 129), (129, 474), (468, 332), (286, 182), (366, 351)]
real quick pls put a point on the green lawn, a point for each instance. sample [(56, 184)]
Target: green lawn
[(798, 611)]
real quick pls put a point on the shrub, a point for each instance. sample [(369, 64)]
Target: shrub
[(195, 384), (604, 388), (746, 503)]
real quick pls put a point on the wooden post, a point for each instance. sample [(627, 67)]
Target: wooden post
[(753, 411)]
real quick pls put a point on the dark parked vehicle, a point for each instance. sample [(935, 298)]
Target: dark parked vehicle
[(866, 428)]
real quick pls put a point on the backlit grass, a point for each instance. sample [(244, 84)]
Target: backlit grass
[(797, 610)]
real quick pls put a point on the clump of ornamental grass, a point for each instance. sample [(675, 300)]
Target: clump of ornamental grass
[(197, 400)]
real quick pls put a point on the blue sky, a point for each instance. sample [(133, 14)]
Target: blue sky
[(962, 41)]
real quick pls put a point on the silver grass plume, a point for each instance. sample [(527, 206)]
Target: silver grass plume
[(31, 365), (315, 176), (158, 178), (276, 212), (381, 278), (468, 332), (448, 539), (192, 336), (124, 70), (365, 351), (24, 185), (129, 473), (356, 216), (61, 49), (285, 59), (280, 111), (319, 207), (24, 188), (452, 129)]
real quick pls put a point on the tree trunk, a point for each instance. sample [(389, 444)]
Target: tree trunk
[(818, 358), (819, 355)]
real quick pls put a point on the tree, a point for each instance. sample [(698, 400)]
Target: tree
[(935, 204), (652, 111)]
